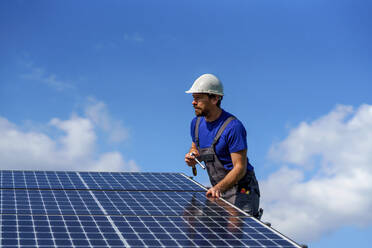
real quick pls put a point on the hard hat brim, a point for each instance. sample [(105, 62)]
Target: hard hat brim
[(205, 92)]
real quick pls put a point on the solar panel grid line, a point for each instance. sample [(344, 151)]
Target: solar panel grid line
[(19, 235), (104, 211), (28, 200), (44, 204)]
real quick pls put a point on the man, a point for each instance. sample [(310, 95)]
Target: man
[(219, 139)]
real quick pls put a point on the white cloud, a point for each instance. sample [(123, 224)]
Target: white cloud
[(80, 137), (74, 149), (50, 79), (97, 112), (326, 182), (116, 162)]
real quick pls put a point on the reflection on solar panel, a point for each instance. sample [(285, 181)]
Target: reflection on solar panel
[(92, 209), (160, 203)]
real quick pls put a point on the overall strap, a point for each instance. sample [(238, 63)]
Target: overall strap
[(197, 131), (222, 128)]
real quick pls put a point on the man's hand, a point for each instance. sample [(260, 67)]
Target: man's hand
[(190, 160), (214, 192)]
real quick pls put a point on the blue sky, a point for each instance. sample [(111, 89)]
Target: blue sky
[(99, 85)]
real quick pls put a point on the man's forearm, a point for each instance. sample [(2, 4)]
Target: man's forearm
[(232, 178), (239, 160)]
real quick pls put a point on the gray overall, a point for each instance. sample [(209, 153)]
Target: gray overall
[(245, 194)]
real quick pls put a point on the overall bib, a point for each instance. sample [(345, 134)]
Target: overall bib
[(245, 194)]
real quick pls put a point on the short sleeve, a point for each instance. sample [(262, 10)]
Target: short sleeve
[(237, 137)]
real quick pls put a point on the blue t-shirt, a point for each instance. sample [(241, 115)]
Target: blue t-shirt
[(233, 138)]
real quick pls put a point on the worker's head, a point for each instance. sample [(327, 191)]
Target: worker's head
[(207, 92)]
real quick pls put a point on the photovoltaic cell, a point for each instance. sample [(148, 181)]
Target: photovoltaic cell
[(138, 181)]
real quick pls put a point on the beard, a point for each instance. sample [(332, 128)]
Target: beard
[(200, 113)]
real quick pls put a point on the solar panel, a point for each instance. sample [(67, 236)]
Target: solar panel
[(102, 209)]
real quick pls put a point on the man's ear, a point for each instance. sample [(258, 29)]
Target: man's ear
[(216, 99)]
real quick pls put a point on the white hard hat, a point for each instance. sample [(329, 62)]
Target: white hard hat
[(207, 83)]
